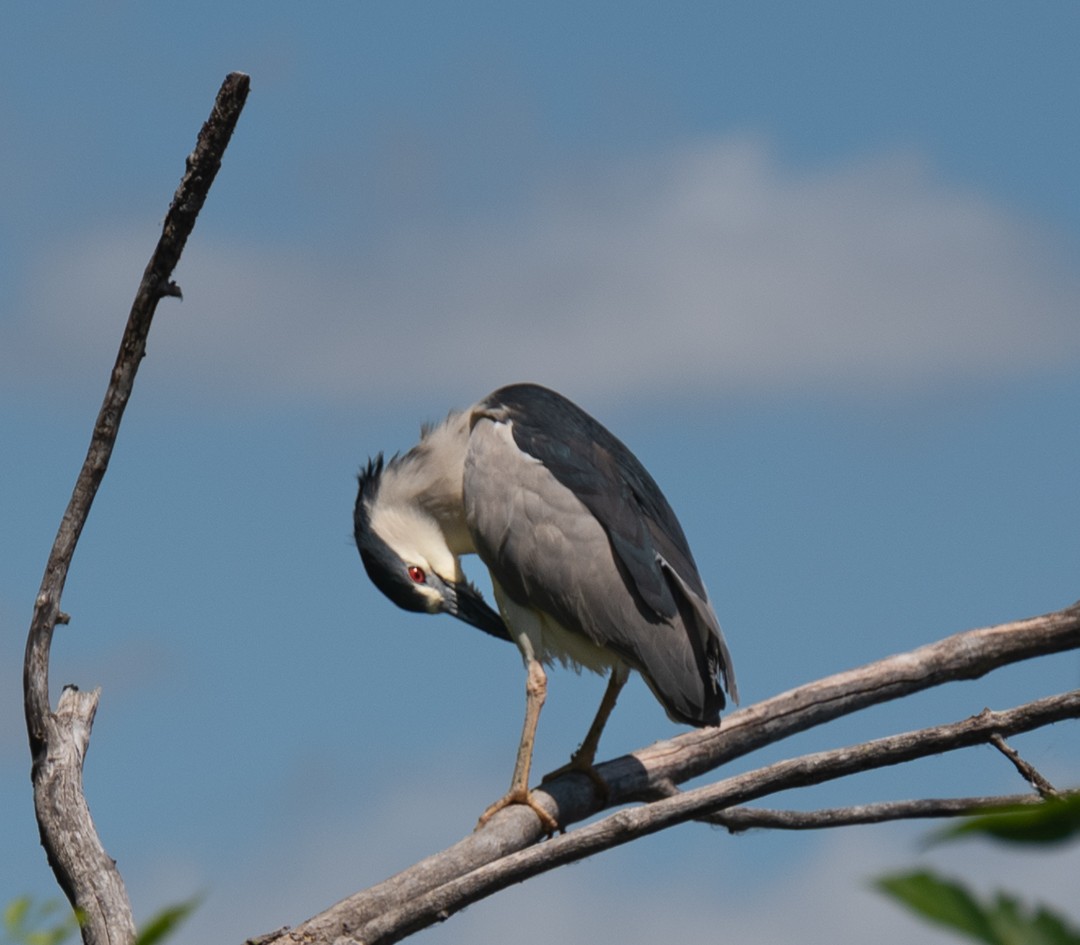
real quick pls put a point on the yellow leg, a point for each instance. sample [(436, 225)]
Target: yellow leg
[(582, 759), (535, 693)]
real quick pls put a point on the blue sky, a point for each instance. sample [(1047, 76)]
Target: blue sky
[(816, 264)]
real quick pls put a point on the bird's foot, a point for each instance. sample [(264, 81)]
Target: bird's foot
[(582, 763), (549, 823)]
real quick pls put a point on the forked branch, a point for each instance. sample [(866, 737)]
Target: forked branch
[(59, 740), (506, 850)]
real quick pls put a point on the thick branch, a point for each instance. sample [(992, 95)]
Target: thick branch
[(58, 742), (67, 830), (966, 655), (654, 771), (627, 825)]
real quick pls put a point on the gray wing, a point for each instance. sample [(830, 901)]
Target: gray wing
[(569, 522)]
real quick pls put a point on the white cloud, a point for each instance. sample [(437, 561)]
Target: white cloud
[(708, 267)]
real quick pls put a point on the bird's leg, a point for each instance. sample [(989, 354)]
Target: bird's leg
[(582, 759), (535, 693), (586, 753)]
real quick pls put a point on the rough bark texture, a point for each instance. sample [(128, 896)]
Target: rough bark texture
[(84, 870), (507, 851), (59, 740)]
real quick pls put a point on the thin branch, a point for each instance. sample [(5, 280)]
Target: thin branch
[(739, 819), (627, 825), (1027, 771), (654, 771), (58, 741)]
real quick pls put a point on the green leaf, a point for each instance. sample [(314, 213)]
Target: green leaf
[(1004, 921), (166, 922), (53, 936), (940, 901), (1053, 821), (1015, 927), (1054, 929), (23, 921), (15, 913)]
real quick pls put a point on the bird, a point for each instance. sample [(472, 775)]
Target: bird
[(589, 566)]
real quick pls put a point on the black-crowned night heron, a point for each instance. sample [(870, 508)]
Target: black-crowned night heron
[(588, 563)]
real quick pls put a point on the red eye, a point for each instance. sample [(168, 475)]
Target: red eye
[(417, 574)]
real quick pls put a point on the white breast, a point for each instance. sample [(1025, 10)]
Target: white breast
[(540, 636)]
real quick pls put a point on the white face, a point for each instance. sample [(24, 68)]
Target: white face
[(416, 538)]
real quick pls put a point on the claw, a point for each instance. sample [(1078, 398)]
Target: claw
[(582, 765), (549, 823)]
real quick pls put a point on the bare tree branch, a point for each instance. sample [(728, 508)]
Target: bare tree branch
[(1027, 771), (738, 819), (966, 655), (505, 851), (496, 855), (627, 825), (58, 741)]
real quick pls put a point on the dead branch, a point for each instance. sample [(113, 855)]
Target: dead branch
[(1027, 770), (506, 851), (58, 741), (624, 826), (738, 819), (655, 771)]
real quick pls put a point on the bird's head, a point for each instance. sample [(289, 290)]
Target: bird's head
[(406, 555)]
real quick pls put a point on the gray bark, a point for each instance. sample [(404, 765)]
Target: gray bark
[(506, 850), (59, 740)]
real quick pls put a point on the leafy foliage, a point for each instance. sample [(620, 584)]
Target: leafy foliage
[(53, 922), (167, 921), (1002, 920), (1054, 821), (49, 923)]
